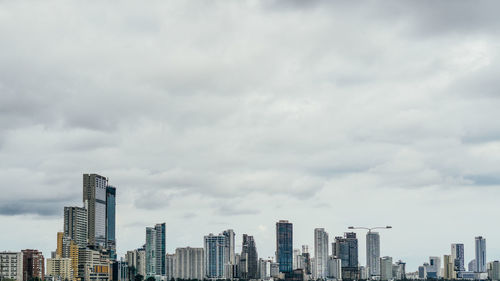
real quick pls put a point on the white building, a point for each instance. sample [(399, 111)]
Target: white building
[(434, 268), (386, 268), (189, 263), (11, 265), (334, 268), (494, 270), (320, 253)]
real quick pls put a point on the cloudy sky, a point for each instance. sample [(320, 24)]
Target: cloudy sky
[(210, 115)]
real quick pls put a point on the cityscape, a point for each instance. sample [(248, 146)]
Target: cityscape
[(87, 251)]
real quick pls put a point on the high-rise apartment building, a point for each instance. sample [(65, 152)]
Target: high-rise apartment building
[(170, 263), (111, 221), (457, 254), (189, 263), (248, 258), (230, 246), (215, 255), (385, 268), (33, 264), (93, 265), (75, 225), (284, 246), (155, 250), (320, 253), (334, 268), (493, 269), (60, 268), (11, 265), (373, 253), (94, 199), (480, 254), (448, 267)]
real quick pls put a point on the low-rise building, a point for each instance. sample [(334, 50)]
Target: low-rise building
[(11, 265)]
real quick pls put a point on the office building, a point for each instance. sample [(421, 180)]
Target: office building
[(94, 199), (320, 253), (373, 253), (11, 265), (334, 268), (480, 254), (75, 225), (346, 248), (60, 268), (457, 253), (189, 263), (215, 255), (111, 221), (448, 267), (493, 269), (33, 264), (155, 250), (385, 268), (248, 266), (284, 246)]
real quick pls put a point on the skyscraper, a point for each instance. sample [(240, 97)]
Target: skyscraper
[(385, 268), (346, 248), (448, 267), (94, 199), (229, 234), (284, 245), (457, 253), (155, 250), (75, 225), (111, 221), (373, 253), (480, 254), (320, 253), (189, 263), (215, 255), (249, 258)]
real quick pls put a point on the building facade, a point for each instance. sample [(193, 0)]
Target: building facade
[(373, 253), (320, 253), (480, 254), (94, 199), (155, 250), (215, 255), (284, 246), (448, 267), (11, 265), (189, 263), (75, 225), (457, 253), (60, 268), (248, 258), (385, 268), (33, 265), (111, 221)]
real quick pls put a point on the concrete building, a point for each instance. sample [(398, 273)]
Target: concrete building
[(320, 253), (33, 264), (493, 269), (480, 254), (373, 253), (334, 268), (434, 268), (75, 225), (284, 246), (449, 267), (457, 254), (60, 268), (386, 268), (399, 270), (189, 263), (11, 265), (136, 260), (170, 261), (215, 255), (94, 199), (155, 250), (230, 246)]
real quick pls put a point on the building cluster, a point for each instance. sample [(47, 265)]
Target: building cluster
[(453, 265), (86, 251)]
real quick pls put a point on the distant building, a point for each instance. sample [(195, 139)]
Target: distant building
[(449, 267), (457, 253), (75, 225), (93, 265), (189, 263), (472, 266), (480, 254), (264, 269), (94, 198), (434, 268), (248, 258), (60, 268), (284, 246), (386, 268), (494, 270), (346, 248), (215, 256), (33, 264), (320, 253), (399, 270), (155, 250), (373, 253), (111, 221), (11, 265), (230, 246), (170, 266), (422, 274), (334, 268)]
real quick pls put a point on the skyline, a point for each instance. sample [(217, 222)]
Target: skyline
[(235, 115)]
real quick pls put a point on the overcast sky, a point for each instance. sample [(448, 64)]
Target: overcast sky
[(209, 115)]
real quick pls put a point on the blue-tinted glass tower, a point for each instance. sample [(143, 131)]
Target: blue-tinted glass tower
[(284, 245), (111, 221), (155, 250)]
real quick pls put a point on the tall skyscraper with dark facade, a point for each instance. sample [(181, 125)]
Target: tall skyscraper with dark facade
[(75, 225), (373, 253), (457, 253), (94, 199), (480, 254), (111, 221), (284, 245), (346, 248), (249, 258), (155, 250)]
